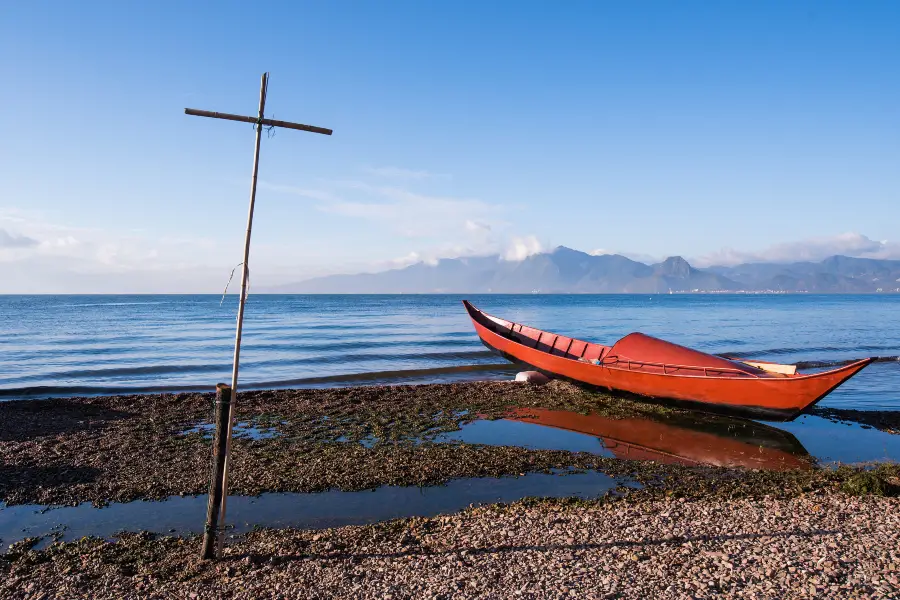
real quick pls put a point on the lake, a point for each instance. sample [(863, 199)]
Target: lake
[(110, 344)]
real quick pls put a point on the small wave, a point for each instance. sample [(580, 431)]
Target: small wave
[(815, 364), (335, 346), (394, 376), (317, 359), (124, 371), (819, 364), (779, 351), (111, 304), (133, 338), (49, 391), (329, 327), (367, 358)]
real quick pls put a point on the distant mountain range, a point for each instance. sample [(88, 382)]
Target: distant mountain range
[(569, 271)]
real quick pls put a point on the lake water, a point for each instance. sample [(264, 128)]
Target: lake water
[(66, 345)]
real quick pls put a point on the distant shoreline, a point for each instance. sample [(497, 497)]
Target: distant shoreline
[(271, 293)]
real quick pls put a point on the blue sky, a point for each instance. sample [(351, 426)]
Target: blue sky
[(717, 131)]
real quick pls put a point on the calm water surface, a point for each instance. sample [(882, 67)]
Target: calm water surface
[(183, 515), (58, 345)]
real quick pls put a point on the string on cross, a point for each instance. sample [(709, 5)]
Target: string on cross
[(214, 535)]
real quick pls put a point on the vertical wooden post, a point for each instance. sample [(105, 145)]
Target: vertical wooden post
[(243, 299), (217, 471)]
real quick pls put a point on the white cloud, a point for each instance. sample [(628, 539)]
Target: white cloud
[(520, 248), (12, 240), (404, 212), (514, 249), (405, 261), (814, 250), (400, 262), (455, 227), (61, 258), (477, 227), (601, 252), (50, 256), (404, 174), (313, 194)]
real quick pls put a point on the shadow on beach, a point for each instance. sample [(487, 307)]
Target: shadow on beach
[(32, 481), (414, 549), (25, 420)]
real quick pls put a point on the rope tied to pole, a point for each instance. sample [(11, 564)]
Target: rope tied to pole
[(260, 122), (230, 277)]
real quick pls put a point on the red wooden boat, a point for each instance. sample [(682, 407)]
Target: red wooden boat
[(647, 366), (714, 440)]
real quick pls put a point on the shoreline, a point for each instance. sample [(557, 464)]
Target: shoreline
[(887, 420), (665, 530)]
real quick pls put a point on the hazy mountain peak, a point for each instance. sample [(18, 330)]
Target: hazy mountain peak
[(675, 266), (567, 250)]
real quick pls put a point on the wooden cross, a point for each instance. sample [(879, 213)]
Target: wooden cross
[(219, 483)]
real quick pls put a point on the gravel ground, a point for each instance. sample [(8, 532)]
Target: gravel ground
[(813, 546)]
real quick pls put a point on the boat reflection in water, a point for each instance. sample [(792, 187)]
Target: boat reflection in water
[(682, 438)]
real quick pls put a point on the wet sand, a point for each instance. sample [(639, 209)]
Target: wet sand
[(121, 448)]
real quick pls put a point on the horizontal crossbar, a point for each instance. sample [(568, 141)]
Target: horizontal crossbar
[(267, 122)]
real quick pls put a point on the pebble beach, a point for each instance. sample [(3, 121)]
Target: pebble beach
[(664, 528), (816, 546)]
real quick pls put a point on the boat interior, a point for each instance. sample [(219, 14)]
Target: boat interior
[(634, 352)]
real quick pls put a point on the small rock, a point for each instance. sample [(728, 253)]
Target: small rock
[(532, 377)]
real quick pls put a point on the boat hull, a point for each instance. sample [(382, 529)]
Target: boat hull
[(774, 398)]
